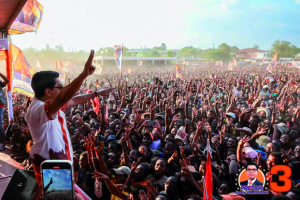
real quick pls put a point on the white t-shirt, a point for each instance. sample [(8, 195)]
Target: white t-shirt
[(50, 135)]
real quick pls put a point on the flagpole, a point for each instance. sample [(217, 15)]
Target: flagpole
[(121, 61)]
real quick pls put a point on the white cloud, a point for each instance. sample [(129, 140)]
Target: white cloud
[(226, 4), (297, 1)]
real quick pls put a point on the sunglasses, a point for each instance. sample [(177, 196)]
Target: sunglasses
[(59, 87)]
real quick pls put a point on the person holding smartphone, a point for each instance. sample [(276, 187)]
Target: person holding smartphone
[(45, 116)]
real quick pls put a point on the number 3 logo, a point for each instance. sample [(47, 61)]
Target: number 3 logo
[(284, 181)]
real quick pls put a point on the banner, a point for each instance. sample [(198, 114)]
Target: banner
[(67, 65), (22, 73), (3, 48), (178, 72), (60, 68), (119, 56), (262, 62), (294, 64), (253, 57), (273, 63), (230, 66), (29, 19), (98, 70), (234, 62)]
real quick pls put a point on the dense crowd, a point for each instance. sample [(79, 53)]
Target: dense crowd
[(148, 139)]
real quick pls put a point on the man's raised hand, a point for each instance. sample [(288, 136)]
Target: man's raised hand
[(89, 69)]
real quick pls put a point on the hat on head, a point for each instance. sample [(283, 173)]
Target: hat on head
[(283, 128), (231, 114), (178, 139), (267, 111), (160, 116), (124, 170), (143, 115), (265, 86), (263, 140), (250, 152), (111, 137)]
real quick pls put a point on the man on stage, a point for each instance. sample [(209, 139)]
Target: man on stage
[(45, 116)]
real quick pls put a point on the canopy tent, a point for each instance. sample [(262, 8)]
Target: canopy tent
[(9, 10)]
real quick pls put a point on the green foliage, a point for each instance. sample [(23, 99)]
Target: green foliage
[(255, 46), (233, 50), (47, 57), (224, 51), (150, 53), (163, 46), (169, 53), (294, 50), (282, 48), (189, 52)]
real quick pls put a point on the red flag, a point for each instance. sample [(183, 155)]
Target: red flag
[(95, 102), (207, 194)]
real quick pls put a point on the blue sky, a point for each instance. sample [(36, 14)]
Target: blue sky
[(91, 24), (61, 179)]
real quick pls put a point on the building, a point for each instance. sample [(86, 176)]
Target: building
[(264, 54), (138, 61), (245, 54)]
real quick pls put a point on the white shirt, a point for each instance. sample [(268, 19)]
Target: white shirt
[(50, 135), (251, 182)]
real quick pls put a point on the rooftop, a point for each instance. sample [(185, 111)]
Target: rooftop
[(249, 50)]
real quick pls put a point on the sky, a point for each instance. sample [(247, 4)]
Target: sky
[(61, 179), (92, 24)]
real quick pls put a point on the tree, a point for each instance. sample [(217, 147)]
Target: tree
[(150, 53), (108, 51), (233, 50), (294, 50), (212, 54), (282, 48), (255, 46), (163, 46), (169, 53), (189, 52), (224, 51)]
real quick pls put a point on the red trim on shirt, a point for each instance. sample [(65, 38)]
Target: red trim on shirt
[(64, 107), (1, 105), (65, 138), (46, 106)]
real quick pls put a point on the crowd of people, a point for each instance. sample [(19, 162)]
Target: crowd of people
[(148, 138)]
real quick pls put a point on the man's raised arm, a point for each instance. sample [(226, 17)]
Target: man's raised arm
[(70, 90)]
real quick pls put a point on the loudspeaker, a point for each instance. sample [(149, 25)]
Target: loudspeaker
[(22, 186)]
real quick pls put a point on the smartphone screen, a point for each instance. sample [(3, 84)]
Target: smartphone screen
[(57, 181), (150, 123)]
